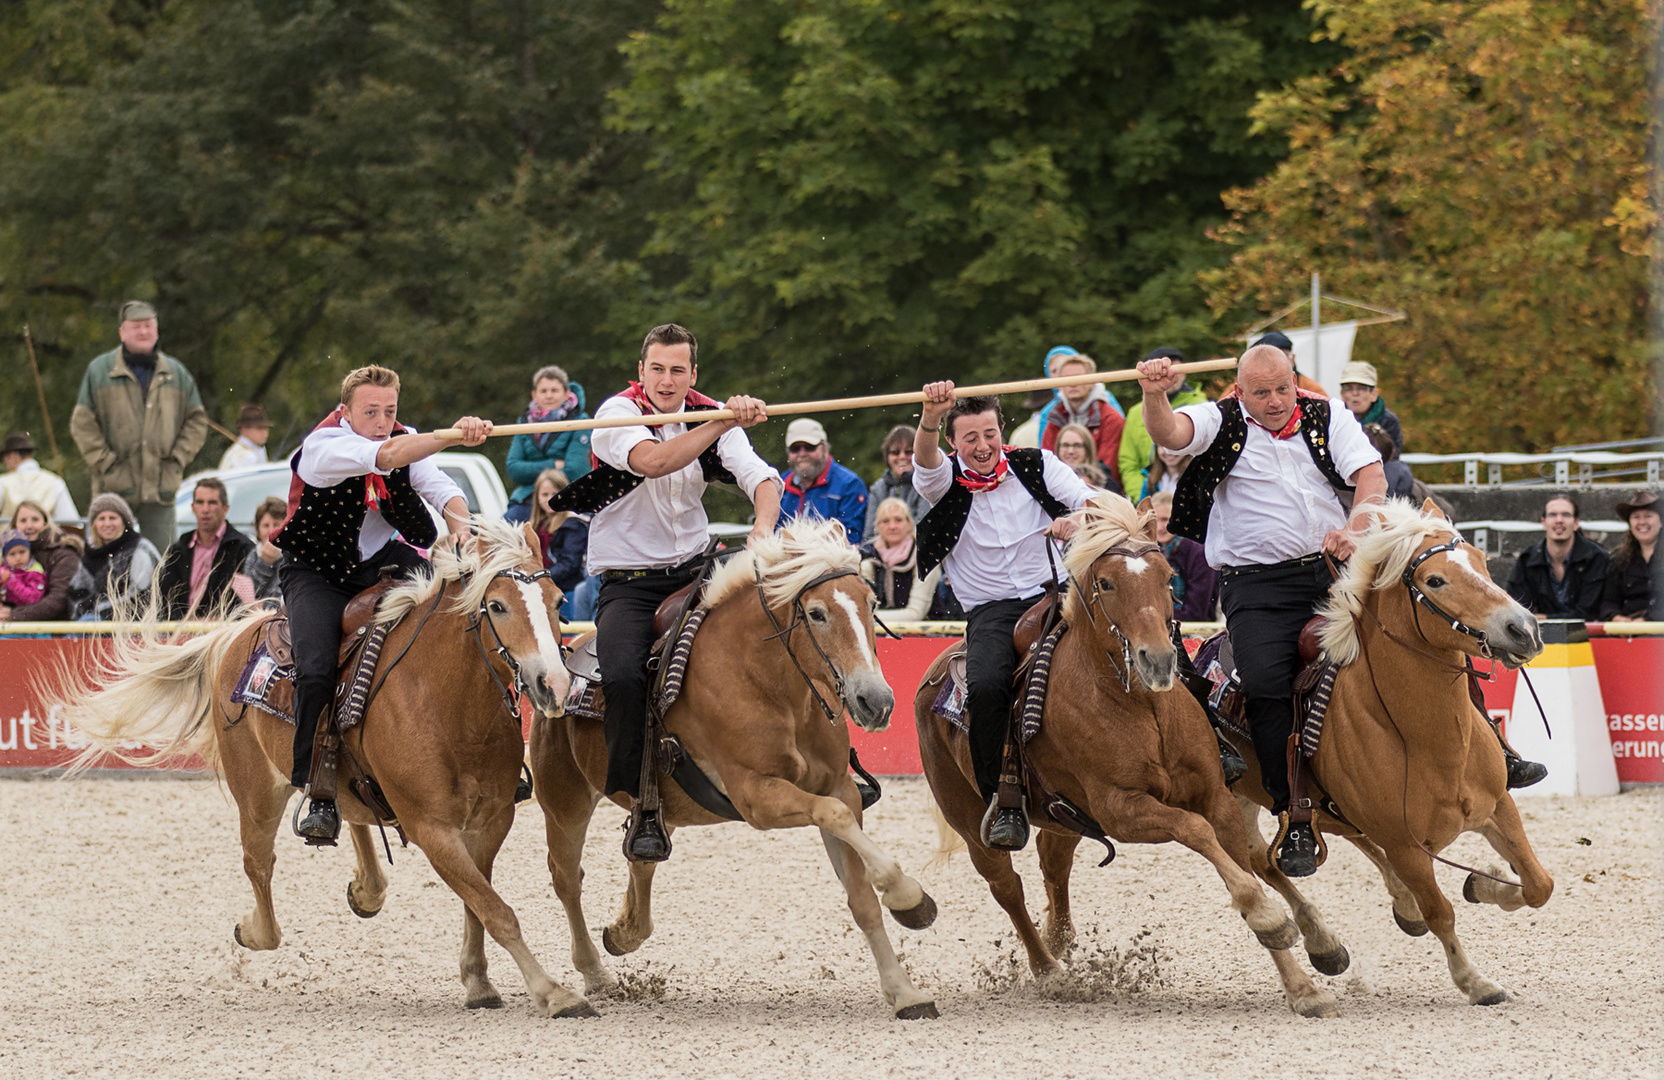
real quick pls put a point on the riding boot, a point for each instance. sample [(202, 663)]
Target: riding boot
[(523, 790), (1229, 760), (1005, 828), (1521, 773), (645, 838), (322, 824), (1295, 849)]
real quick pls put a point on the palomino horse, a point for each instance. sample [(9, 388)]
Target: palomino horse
[(1142, 761), (1404, 755), (753, 715), (438, 736)]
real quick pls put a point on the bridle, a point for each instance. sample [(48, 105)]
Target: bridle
[(1422, 600), (784, 636), (516, 686), (1127, 549)]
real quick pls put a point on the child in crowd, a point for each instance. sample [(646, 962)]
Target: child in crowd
[(22, 578)]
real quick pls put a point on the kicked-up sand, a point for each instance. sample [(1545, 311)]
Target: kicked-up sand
[(118, 898)]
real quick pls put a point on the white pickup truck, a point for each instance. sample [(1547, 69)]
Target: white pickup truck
[(473, 473)]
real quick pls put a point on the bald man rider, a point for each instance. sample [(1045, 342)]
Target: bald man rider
[(1262, 497)]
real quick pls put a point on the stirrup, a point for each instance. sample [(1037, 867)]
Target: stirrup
[(1004, 828), (645, 837), (322, 825), (1297, 865)]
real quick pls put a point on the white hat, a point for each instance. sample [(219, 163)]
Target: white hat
[(805, 430), (1358, 372)]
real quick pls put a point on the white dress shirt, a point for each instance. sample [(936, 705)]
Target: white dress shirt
[(1276, 504), (662, 522), (333, 454), (31, 483), (242, 454), (1001, 553)]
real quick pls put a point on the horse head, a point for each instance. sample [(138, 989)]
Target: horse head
[(838, 616), (1448, 580), (515, 611), (1122, 590)]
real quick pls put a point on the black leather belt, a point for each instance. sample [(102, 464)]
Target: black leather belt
[(687, 569), (1286, 564)]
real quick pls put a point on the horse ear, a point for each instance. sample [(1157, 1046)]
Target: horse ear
[(1145, 507), (531, 539), (1429, 508)]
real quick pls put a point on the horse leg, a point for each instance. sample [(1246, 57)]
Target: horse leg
[(259, 813), (1416, 870), (566, 817), (634, 923), (1007, 889), (768, 802), (1323, 948), (906, 999), (1138, 818), (367, 891), (1057, 860), (452, 861), (476, 982), (1506, 834), (1406, 912)]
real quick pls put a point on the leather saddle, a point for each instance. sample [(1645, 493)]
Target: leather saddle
[(355, 626)]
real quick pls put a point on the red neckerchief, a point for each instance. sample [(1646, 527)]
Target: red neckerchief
[(791, 483), (976, 482), (636, 394), (1286, 431)]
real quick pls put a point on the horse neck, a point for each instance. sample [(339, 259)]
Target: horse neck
[(740, 624), (1400, 673), (445, 653), (1087, 660)]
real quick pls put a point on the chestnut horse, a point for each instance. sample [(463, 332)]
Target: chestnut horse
[(1114, 741), (1405, 755), (754, 718), (438, 736)]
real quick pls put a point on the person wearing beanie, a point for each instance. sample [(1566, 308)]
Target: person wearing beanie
[(22, 579), (121, 561), (1138, 451)]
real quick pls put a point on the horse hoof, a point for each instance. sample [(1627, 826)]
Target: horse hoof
[(1497, 998), (1331, 963), (610, 942), (1414, 929), (1281, 938), (363, 914), (578, 1010), (237, 935), (1470, 890), (924, 1010), (495, 1001), (1319, 1008), (918, 917)]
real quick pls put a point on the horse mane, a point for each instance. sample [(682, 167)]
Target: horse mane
[(787, 561), (500, 545), (1396, 530), (1105, 521)]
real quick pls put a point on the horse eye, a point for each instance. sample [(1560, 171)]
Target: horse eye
[(496, 607), (1106, 585), (1435, 582), (817, 614)]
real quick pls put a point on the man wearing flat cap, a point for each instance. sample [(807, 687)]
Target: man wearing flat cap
[(26, 481), (250, 448), (139, 422)]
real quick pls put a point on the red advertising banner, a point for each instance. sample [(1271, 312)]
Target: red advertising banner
[(1630, 671)]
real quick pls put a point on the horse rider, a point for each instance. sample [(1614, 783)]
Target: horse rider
[(1262, 496), (993, 511), (648, 534), (360, 481)]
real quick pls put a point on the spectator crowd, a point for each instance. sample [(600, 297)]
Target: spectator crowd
[(139, 422)]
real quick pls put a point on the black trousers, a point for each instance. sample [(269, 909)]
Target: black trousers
[(1265, 610), (990, 664), (315, 605), (623, 642)]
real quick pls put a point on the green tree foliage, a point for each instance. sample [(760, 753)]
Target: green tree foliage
[(302, 186), (854, 196), (1482, 165)]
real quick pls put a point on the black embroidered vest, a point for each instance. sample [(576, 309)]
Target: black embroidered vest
[(604, 485), (940, 529), (1193, 500), (323, 523)]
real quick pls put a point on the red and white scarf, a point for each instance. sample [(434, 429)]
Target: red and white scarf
[(636, 394), (977, 482)]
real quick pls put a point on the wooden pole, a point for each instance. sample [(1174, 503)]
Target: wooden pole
[(40, 389), (874, 401)]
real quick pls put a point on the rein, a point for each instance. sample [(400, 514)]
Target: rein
[(784, 636)]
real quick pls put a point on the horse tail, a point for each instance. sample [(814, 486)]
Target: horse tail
[(948, 842), (153, 697)]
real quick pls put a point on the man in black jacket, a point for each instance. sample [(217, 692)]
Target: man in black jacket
[(197, 568), (1562, 575)]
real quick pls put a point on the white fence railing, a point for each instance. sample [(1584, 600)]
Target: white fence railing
[(1585, 463)]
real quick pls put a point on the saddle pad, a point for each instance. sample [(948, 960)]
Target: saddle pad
[(1217, 664), (1034, 696), (950, 699), (587, 697), (1311, 703), (674, 662), (266, 684)]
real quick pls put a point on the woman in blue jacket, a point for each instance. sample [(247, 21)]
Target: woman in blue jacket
[(554, 397)]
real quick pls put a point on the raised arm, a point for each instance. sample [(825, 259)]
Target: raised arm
[(406, 449), (1166, 427), (938, 400), (653, 459)]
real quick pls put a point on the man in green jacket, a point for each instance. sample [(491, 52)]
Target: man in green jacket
[(139, 423), (1137, 449)]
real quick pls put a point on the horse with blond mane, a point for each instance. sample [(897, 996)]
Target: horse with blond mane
[(1115, 743), (1406, 757), (437, 735), (787, 629)]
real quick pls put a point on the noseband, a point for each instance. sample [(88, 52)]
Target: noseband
[(1127, 549), (516, 685), (784, 636)]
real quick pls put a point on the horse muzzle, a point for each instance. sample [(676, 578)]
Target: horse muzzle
[(547, 689), (870, 700), (1157, 668), (1514, 637)]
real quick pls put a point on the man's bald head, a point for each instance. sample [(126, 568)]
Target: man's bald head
[(1266, 381), (1264, 357)]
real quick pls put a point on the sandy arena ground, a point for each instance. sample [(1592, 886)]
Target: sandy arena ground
[(117, 960)]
